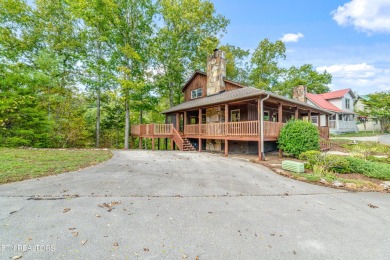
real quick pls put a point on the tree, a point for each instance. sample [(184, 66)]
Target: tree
[(187, 35), (98, 72), (236, 64), (305, 75), (265, 73), (378, 106)]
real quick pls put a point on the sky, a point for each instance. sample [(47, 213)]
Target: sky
[(348, 38)]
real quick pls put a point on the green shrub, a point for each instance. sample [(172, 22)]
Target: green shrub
[(311, 157), (298, 136), (335, 163), (375, 170), (329, 162)]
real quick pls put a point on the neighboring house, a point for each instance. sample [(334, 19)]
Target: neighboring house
[(341, 104), (372, 124), (224, 116)]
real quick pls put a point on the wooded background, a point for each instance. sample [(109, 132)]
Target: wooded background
[(78, 73)]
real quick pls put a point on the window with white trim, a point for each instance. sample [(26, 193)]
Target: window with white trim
[(314, 119), (196, 93), (347, 103)]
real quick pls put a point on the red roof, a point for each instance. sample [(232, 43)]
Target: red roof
[(320, 101), (335, 94)]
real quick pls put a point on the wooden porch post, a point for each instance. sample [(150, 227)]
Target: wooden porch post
[(172, 145), (296, 113), (226, 147), (152, 143), (226, 118), (280, 121), (259, 115), (280, 113), (158, 143), (184, 121), (199, 120), (199, 145), (327, 120), (166, 144), (309, 116), (177, 121), (319, 120), (140, 142)]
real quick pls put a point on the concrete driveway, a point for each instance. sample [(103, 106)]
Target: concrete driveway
[(176, 205)]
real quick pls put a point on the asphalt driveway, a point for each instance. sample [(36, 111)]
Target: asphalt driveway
[(177, 205)]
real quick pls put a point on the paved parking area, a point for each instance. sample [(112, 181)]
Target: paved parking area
[(177, 205)]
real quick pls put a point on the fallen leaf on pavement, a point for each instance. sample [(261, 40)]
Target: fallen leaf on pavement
[(17, 257), (75, 233), (66, 210), (184, 256), (98, 216), (372, 206), (116, 244), (72, 228), (83, 242), (146, 249)]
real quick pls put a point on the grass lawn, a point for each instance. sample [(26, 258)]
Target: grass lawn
[(360, 134), (21, 164)]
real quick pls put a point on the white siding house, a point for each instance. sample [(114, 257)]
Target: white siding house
[(341, 103)]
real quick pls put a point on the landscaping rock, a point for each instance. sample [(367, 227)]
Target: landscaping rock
[(301, 178), (351, 186), (323, 181), (385, 185), (337, 184)]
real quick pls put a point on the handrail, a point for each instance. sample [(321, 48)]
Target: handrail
[(177, 139)]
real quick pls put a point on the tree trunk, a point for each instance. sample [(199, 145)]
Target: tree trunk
[(171, 95), (98, 119), (127, 124)]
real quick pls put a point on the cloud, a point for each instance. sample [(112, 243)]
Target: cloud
[(291, 37), (371, 16), (361, 77)]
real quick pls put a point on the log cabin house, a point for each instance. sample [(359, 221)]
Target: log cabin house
[(220, 115)]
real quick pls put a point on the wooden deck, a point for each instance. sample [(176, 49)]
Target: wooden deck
[(245, 131)]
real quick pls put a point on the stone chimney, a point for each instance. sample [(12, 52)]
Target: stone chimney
[(216, 72), (299, 93)]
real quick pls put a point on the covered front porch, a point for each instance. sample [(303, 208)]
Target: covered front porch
[(211, 128)]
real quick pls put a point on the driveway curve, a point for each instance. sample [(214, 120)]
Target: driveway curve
[(183, 205)]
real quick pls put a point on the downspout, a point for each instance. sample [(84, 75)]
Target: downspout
[(262, 126)]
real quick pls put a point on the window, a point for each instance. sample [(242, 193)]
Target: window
[(347, 103), (266, 116), (340, 117), (235, 115), (196, 93), (314, 119)]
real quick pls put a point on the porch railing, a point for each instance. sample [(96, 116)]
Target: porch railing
[(152, 129), (213, 129), (324, 132), (272, 129), (246, 128)]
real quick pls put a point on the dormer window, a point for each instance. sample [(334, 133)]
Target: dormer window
[(196, 93)]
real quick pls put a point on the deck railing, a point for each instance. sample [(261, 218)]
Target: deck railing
[(324, 131), (272, 129), (191, 129), (246, 128), (152, 129), (243, 129), (213, 129)]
